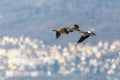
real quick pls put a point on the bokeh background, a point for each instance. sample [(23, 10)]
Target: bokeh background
[(29, 49)]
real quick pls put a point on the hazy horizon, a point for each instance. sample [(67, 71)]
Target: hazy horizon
[(29, 48)]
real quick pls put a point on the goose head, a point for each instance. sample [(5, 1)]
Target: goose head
[(76, 26), (91, 33)]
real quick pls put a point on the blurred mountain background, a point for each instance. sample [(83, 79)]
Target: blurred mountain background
[(29, 49), (36, 19)]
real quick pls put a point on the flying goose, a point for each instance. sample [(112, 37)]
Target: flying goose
[(61, 31), (73, 28), (85, 35), (66, 30)]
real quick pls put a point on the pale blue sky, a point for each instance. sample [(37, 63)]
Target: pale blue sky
[(36, 18)]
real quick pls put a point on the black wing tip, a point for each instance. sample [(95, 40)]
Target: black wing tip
[(57, 35)]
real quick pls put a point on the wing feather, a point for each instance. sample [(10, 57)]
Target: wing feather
[(83, 37), (57, 34)]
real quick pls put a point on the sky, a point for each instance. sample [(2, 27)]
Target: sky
[(37, 18), (26, 31)]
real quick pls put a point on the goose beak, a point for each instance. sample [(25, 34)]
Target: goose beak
[(94, 34), (78, 30)]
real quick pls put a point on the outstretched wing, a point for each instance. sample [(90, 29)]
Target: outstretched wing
[(57, 34), (83, 37)]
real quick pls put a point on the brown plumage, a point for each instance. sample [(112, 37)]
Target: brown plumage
[(73, 28), (66, 30), (60, 31)]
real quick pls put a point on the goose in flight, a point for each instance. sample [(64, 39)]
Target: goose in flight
[(85, 35), (66, 30), (61, 31), (73, 28)]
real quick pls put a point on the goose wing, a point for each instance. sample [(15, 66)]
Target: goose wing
[(83, 37), (57, 34)]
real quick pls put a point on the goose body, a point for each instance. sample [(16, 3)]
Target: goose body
[(85, 35), (60, 31), (73, 28)]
